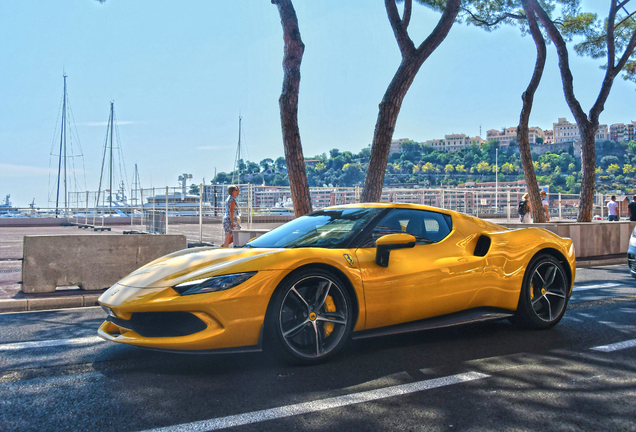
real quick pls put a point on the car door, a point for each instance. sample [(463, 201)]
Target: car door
[(414, 284)]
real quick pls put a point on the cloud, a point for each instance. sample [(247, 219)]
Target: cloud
[(214, 147), (12, 171)]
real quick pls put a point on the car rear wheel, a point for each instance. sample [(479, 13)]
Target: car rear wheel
[(312, 317), (544, 294)]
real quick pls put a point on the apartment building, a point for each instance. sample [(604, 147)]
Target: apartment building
[(485, 192), (620, 132), (565, 132), (396, 145), (454, 142), (548, 136), (508, 135)]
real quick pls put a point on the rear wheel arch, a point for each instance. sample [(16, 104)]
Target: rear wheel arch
[(560, 257), (544, 294)]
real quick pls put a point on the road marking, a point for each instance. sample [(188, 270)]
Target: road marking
[(50, 343), (597, 286), (321, 405), (616, 346)]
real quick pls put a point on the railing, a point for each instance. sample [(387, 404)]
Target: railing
[(199, 216)]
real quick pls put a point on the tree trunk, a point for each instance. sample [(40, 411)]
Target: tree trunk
[(527, 97), (588, 125), (412, 60), (288, 102)]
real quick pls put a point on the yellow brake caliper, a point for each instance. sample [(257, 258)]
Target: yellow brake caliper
[(330, 306)]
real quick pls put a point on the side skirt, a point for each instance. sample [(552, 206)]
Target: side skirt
[(458, 318)]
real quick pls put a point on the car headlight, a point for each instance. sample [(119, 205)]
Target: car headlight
[(212, 284)]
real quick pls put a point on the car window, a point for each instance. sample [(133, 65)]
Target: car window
[(426, 226), (322, 228)]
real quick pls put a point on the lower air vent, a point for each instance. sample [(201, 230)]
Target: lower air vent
[(161, 324), (483, 245)]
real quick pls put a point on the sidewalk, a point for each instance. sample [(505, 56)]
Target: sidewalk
[(14, 300)]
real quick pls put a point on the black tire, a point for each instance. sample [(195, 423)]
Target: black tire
[(544, 294), (311, 317)]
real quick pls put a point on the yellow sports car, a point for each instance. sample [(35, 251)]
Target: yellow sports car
[(307, 287)]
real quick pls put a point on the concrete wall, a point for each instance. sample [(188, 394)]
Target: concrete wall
[(92, 262), (592, 239)]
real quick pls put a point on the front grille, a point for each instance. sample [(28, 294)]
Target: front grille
[(161, 324)]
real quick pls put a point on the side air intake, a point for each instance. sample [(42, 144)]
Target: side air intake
[(483, 245)]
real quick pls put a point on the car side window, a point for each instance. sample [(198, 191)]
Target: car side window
[(426, 226)]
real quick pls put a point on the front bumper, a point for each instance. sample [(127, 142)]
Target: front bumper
[(161, 319)]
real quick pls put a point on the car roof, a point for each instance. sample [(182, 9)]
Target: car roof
[(392, 205)]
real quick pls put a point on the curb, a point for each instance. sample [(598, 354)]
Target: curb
[(36, 304), (88, 300), (601, 263)]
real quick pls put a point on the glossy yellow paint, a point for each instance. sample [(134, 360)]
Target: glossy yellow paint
[(420, 282)]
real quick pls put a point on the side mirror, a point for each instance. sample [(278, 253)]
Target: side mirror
[(387, 243)]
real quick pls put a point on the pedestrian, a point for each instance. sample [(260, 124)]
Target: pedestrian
[(525, 211), (544, 203), (612, 209), (230, 219), (631, 210)]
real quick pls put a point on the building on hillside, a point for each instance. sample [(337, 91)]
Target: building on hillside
[(396, 145), (437, 144), (454, 142), (548, 136), (620, 132), (508, 135), (311, 162), (565, 132)]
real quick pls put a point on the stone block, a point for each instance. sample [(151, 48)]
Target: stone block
[(92, 262)]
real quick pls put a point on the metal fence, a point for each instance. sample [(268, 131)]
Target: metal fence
[(172, 210)]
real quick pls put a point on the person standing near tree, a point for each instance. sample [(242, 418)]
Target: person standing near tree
[(631, 209), (230, 220), (545, 204), (612, 210), (525, 211)]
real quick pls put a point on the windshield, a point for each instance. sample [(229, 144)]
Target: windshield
[(323, 228)]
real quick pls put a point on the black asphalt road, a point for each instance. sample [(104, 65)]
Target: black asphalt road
[(487, 376)]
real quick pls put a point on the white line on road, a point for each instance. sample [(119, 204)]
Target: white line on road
[(320, 405), (50, 343), (597, 286), (616, 346)]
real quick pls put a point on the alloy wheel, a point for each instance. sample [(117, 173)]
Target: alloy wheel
[(548, 291), (313, 316)]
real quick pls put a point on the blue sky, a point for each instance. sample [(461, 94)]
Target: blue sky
[(181, 72)]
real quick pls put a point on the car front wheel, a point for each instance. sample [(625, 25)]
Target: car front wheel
[(312, 316)]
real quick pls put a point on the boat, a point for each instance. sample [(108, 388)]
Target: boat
[(7, 210)]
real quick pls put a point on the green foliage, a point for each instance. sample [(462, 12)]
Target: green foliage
[(194, 189)]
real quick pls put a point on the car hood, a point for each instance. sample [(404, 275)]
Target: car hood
[(199, 263)]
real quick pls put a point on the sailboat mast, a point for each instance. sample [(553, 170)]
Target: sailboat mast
[(237, 158), (111, 158), (62, 152)]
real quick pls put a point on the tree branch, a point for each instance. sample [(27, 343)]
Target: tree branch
[(440, 31), (406, 45), (564, 63), (486, 23), (406, 19)]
